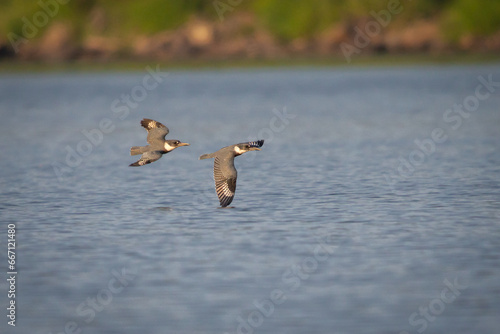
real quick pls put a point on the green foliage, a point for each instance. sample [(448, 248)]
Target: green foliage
[(292, 19), (150, 16), (422, 9), (359, 8), (12, 12), (125, 16), (481, 18), (15, 13), (285, 19)]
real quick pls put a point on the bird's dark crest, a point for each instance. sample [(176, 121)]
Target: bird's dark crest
[(257, 143)]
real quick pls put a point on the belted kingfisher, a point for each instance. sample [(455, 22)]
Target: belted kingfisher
[(224, 172), (157, 143)]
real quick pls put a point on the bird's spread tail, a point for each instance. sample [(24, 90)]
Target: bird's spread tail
[(135, 150), (207, 156)]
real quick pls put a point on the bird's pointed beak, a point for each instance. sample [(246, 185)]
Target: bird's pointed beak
[(254, 149), (183, 144)]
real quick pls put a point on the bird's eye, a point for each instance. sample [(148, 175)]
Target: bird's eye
[(177, 142)]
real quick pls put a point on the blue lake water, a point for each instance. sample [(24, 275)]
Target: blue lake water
[(373, 207)]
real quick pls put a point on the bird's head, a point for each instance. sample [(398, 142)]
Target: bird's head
[(173, 144), (246, 147)]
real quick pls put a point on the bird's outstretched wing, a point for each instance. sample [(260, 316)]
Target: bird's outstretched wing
[(147, 158), (225, 180), (156, 130)]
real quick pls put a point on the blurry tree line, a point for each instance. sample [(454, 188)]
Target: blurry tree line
[(285, 19), (462, 22)]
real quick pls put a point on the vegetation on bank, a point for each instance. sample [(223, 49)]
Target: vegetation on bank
[(110, 29), (285, 19)]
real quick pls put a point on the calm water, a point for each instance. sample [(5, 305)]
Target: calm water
[(373, 207)]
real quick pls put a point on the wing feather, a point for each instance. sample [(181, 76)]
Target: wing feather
[(156, 130), (147, 158), (225, 180)]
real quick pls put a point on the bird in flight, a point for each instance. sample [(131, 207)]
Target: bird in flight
[(224, 171), (157, 143)]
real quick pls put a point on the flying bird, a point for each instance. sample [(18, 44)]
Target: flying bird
[(224, 172), (157, 147)]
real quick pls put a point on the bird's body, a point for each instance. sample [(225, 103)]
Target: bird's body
[(157, 143), (225, 173)]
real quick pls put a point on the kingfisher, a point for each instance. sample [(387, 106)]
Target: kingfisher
[(157, 147), (225, 173)]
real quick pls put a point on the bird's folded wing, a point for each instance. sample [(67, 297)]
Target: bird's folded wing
[(156, 130), (225, 182)]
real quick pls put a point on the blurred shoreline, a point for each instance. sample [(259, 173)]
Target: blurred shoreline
[(387, 60), (50, 32)]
